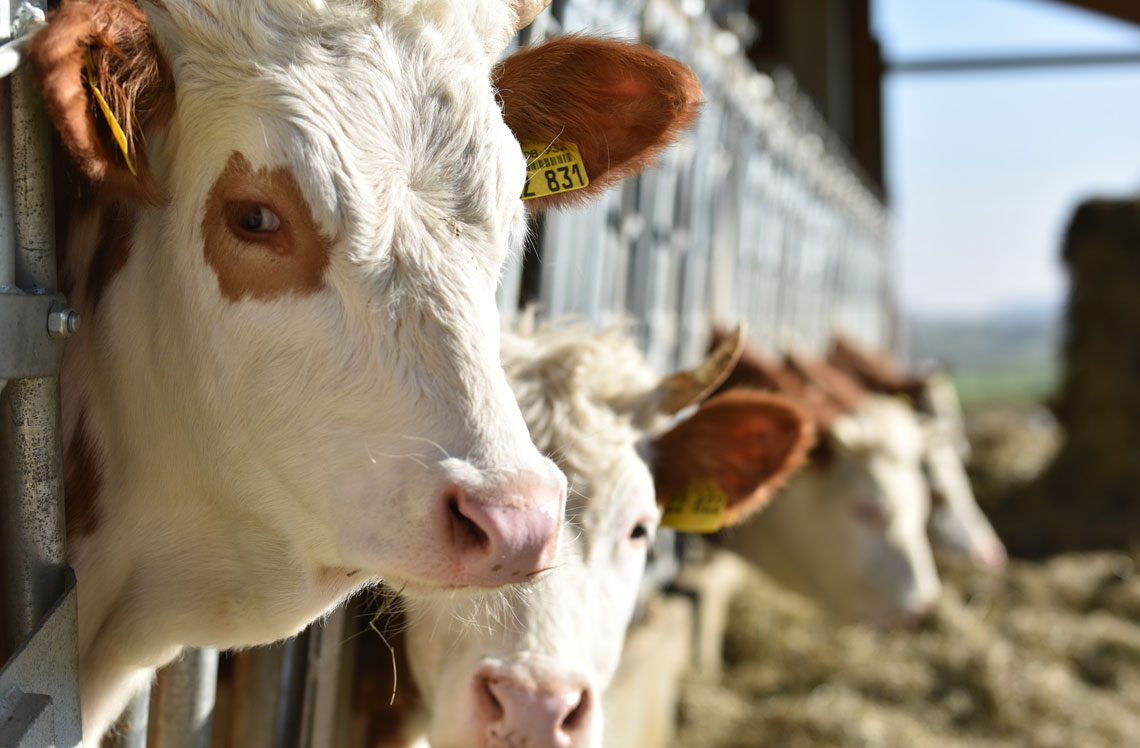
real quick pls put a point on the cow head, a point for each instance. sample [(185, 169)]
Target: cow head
[(532, 672), (850, 531), (288, 380), (957, 526), (299, 315)]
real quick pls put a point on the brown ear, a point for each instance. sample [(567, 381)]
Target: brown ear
[(879, 371), (743, 443), (621, 103), (756, 371), (129, 71), (843, 389)]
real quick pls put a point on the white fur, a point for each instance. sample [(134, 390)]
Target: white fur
[(957, 525), (572, 386), (261, 459), (851, 532)]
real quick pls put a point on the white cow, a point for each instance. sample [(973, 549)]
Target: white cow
[(849, 530), (532, 668), (288, 379), (957, 526)]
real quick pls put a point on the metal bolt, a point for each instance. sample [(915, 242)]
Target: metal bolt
[(63, 321)]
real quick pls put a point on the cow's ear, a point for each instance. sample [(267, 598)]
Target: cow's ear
[(105, 84), (681, 389), (725, 461), (684, 388), (619, 102)]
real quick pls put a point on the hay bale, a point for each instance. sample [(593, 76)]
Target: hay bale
[(1089, 498)]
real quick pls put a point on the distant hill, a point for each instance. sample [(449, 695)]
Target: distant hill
[(1009, 355)]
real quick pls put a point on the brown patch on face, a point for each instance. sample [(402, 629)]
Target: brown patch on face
[(253, 262), (81, 484)]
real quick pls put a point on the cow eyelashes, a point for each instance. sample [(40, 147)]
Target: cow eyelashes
[(252, 221)]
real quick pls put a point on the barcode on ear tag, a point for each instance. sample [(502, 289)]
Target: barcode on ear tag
[(699, 507), (553, 168)]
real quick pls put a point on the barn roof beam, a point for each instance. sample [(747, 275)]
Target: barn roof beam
[(1012, 62)]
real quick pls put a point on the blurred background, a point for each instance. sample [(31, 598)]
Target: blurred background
[(943, 183), (1002, 137)]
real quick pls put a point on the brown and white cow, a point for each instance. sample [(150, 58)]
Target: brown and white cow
[(849, 530), (288, 379), (957, 525), (532, 669)]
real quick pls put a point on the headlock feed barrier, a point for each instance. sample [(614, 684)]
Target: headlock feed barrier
[(756, 216)]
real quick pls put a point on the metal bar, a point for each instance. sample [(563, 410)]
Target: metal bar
[(31, 451), (1016, 62), (322, 684), (182, 701), (268, 691), (31, 485), (33, 203), (291, 696), (39, 698), (7, 224), (7, 227), (132, 725)]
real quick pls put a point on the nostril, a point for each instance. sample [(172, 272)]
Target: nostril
[(578, 717), (465, 532)]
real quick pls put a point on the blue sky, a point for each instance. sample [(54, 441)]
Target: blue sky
[(984, 169)]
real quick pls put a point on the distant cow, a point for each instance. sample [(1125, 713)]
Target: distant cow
[(283, 222), (529, 669), (849, 530), (957, 525)]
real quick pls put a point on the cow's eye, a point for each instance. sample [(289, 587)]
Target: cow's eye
[(253, 220), (640, 530), (871, 513), (260, 219)]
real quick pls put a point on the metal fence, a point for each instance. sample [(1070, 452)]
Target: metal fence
[(39, 692), (757, 215)]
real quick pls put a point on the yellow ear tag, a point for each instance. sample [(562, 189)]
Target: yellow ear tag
[(116, 130), (699, 507), (553, 168)]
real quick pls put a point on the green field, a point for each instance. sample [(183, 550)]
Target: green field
[(999, 359), (985, 388)]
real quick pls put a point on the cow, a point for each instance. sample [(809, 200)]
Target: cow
[(849, 530), (532, 669), (957, 526), (283, 222)]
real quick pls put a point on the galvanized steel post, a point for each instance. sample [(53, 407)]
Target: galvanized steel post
[(31, 453), (268, 691), (39, 691), (182, 701)]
